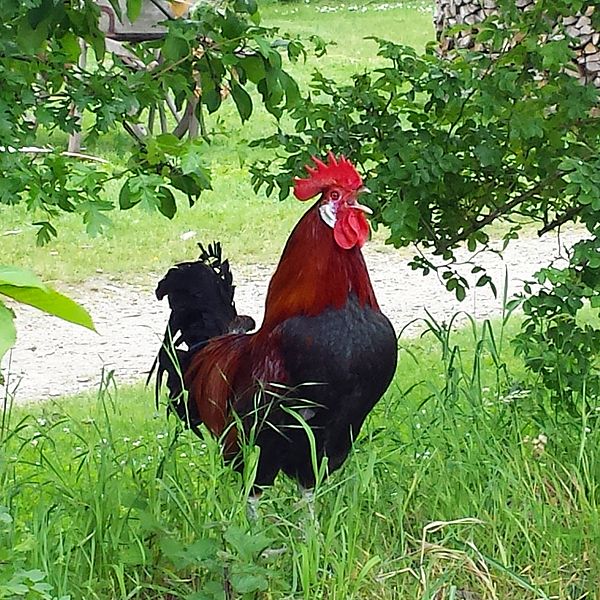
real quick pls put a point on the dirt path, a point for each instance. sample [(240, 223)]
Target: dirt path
[(53, 358)]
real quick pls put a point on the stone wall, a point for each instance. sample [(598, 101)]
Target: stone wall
[(586, 65)]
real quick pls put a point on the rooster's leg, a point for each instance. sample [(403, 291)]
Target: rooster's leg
[(252, 508), (311, 528), (308, 500)]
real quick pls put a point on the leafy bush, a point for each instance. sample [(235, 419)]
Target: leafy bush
[(453, 146)]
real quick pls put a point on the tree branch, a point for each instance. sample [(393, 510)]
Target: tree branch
[(558, 221), (505, 208)]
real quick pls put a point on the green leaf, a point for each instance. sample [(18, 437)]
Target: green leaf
[(5, 515), (488, 155), (555, 54), (70, 46), (127, 197), (254, 67), (212, 99), (247, 6), (247, 583), (45, 233), (51, 302), (33, 575), (18, 589), (246, 544), (16, 276), (186, 184), (192, 159), (292, 91), (242, 100), (167, 204), (175, 48), (8, 332), (134, 9)]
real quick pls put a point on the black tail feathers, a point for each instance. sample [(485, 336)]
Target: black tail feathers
[(200, 295)]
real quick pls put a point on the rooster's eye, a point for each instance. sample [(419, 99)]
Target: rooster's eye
[(335, 195)]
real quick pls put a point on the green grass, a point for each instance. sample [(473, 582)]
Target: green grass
[(252, 228), (449, 490)]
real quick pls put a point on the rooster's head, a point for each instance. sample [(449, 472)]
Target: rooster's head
[(339, 184)]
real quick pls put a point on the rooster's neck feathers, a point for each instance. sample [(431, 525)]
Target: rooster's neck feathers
[(315, 274)]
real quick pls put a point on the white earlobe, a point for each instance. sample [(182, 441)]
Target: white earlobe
[(328, 214)]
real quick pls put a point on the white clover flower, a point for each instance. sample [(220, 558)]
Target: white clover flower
[(539, 445)]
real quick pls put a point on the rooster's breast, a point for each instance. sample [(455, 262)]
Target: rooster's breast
[(346, 356)]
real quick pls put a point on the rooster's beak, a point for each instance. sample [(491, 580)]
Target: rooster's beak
[(363, 190)]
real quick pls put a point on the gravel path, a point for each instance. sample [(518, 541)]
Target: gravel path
[(53, 358)]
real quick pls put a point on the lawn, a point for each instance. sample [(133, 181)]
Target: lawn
[(459, 487)]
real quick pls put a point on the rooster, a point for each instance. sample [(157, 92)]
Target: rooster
[(322, 358)]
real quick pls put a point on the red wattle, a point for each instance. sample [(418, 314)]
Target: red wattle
[(351, 229)]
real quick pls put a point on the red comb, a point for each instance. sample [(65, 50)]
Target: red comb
[(337, 171)]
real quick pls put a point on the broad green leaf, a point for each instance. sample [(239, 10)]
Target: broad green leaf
[(192, 158), (18, 589), (187, 185), (292, 91), (128, 198), (254, 68), (248, 6), (212, 99), (8, 333), (51, 302), (167, 205), (175, 48), (5, 515), (16, 276), (246, 544), (248, 583), (134, 8), (33, 575), (242, 100)]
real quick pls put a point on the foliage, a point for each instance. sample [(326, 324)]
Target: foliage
[(46, 86), (16, 581), (221, 51), (454, 145), (24, 287)]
